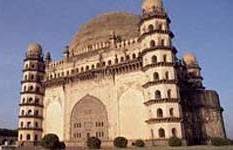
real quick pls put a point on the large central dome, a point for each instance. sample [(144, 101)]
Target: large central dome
[(100, 28)]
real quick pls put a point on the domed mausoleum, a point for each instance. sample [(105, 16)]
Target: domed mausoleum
[(120, 76)]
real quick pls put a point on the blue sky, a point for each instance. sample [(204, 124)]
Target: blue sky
[(204, 27)]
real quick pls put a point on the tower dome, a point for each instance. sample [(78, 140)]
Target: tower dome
[(34, 48), (150, 5), (189, 59)]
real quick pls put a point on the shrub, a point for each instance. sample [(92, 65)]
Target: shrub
[(62, 145), (174, 141), (120, 142), (51, 141), (93, 143), (139, 143), (218, 141)]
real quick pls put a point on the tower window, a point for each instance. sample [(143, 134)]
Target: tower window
[(169, 93), (36, 112), (29, 112), (156, 76), (21, 124), (127, 57), (161, 133), (116, 60), (97, 65), (21, 136), (150, 28), (154, 59), (171, 111), (167, 75), (160, 113), (93, 66), (152, 43), (134, 56), (162, 42), (36, 124), (157, 95), (164, 58), (122, 59), (174, 132), (29, 124), (109, 62), (22, 112), (159, 26), (87, 68), (36, 137), (28, 137)]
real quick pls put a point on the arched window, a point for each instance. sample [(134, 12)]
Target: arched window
[(164, 58), (116, 60), (171, 111), (152, 43), (31, 88), (127, 57), (92, 66), (98, 65), (21, 136), (28, 137), (174, 132), (162, 42), (28, 124), (21, 124), (23, 100), (37, 101), (32, 77), (25, 77), (36, 113), (150, 28), (157, 95), (169, 93), (25, 88), (82, 69), (29, 112), (36, 124), (26, 66), (156, 76), (134, 56), (161, 133), (167, 75), (22, 112), (104, 63), (30, 100), (122, 59), (87, 68), (36, 137), (154, 59), (160, 113), (159, 26), (109, 62)]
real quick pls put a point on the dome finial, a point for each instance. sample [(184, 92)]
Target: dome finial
[(34, 49), (152, 5)]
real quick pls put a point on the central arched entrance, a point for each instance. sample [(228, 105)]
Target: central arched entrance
[(89, 118)]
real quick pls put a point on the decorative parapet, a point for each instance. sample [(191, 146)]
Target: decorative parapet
[(128, 66)]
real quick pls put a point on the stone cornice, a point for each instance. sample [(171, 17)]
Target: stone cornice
[(159, 64), (31, 104), (160, 48), (154, 32), (31, 116), (162, 100), (164, 120), (128, 66), (31, 128), (164, 81)]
